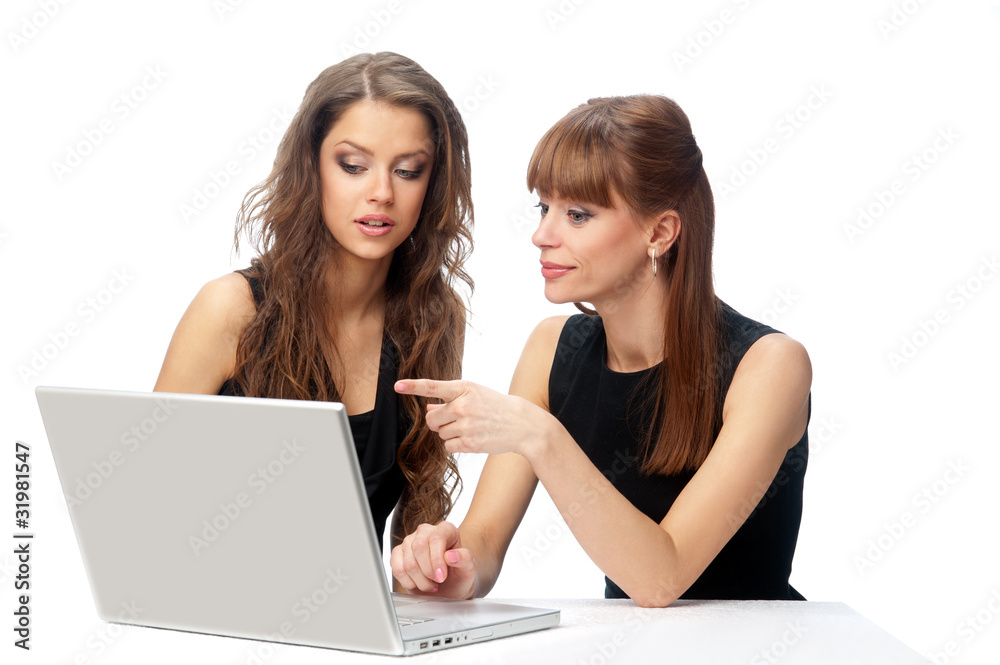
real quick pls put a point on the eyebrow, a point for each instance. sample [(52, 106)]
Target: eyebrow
[(368, 152)]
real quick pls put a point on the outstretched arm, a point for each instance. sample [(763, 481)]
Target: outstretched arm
[(764, 415), (464, 562)]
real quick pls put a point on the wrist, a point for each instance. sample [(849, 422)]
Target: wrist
[(474, 589), (544, 438)]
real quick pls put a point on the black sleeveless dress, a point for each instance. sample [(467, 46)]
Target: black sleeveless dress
[(377, 433), (604, 412)]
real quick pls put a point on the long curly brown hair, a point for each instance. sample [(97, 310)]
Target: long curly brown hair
[(281, 352)]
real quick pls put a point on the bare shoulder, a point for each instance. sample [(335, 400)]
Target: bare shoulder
[(549, 329), (775, 375), (540, 348), (227, 296), (531, 377), (779, 352), (202, 351)]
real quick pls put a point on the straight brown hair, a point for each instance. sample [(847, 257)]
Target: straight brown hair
[(641, 148), (281, 352)]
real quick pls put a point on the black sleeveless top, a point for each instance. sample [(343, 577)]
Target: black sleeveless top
[(604, 411), (377, 433)]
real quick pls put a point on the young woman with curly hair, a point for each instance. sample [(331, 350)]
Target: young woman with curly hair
[(362, 230)]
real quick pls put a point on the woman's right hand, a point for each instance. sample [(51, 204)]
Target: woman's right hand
[(432, 561)]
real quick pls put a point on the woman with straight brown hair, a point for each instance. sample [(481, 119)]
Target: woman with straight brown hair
[(362, 230), (668, 429)]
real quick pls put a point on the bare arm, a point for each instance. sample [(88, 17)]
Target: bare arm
[(202, 351), (763, 416), (503, 493)]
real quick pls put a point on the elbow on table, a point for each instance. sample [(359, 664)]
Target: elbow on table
[(654, 601), (656, 594)]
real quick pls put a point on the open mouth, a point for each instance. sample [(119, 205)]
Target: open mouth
[(375, 226), (376, 221)]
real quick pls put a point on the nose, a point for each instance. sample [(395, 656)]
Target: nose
[(380, 188), (545, 235)]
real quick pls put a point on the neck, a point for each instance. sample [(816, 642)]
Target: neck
[(358, 288), (633, 326)]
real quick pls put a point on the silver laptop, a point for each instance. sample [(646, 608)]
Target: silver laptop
[(242, 517)]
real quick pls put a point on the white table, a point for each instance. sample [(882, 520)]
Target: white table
[(594, 632)]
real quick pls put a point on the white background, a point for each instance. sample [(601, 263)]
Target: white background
[(789, 249)]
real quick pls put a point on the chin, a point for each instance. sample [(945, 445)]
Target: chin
[(558, 296)]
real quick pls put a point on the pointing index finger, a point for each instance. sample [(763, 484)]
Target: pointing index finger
[(445, 390)]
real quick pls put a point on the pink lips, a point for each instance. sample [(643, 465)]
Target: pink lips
[(375, 225), (554, 270)]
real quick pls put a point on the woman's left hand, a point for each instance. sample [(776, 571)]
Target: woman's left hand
[(475, 419)]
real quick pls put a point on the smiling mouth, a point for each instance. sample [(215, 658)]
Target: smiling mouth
[(554, 270)]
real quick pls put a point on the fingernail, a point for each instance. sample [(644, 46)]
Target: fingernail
[(452, 557), (400, 386), (439, 576), (434, 590)]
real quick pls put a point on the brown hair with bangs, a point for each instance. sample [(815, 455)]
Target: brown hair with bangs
[(281, 352), (641, 147)]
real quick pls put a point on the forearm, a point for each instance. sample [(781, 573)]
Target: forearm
[(488, 560), (630, 548)]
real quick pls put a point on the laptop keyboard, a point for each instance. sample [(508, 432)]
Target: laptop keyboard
[(410, 621)]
